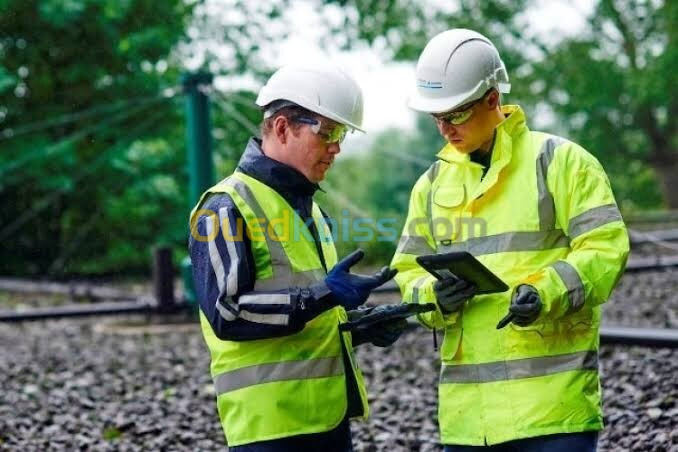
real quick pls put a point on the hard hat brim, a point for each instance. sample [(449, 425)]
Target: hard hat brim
[(423, 104), (434, 106)]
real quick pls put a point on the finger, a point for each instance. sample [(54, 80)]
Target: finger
[(385, 274), (524, 294), (470, 290), (448, 285), (443, 283), (463, 289), (350, 260), (526, 298), (522, 309), (508, 318)]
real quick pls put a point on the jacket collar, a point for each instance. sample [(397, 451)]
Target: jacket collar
[(284, 179)]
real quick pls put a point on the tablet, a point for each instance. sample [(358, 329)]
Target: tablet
[(387, 313), (463, 265)]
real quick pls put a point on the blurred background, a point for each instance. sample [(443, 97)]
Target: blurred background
[(93, 159)]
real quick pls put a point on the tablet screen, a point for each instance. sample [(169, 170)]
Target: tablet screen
[(463, 265)]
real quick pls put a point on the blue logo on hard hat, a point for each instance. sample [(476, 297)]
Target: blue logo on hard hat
[(421, 83)]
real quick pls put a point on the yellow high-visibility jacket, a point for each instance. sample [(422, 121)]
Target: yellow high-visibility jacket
[(284, 386), (543, 215)]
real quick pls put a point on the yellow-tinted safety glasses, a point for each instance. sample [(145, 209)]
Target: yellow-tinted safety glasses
[(459, 116), (336, 134)]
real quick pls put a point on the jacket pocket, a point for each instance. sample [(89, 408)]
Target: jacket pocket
[(447, 207), (451, 341)]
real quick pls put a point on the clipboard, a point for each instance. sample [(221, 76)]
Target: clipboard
[(462, 264)]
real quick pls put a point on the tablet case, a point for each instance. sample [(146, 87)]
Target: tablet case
[(463, 265)]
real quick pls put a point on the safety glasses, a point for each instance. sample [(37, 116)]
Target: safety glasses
[(460, 116), (335, 135)]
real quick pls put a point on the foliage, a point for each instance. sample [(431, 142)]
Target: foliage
[(93, 163), (621, 106), (64, 171)]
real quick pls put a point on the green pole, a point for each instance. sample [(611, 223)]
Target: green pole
[(200, 165), (198, 135)]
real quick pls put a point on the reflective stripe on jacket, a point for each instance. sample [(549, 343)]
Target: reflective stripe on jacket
[(543, 215), (291, 385)]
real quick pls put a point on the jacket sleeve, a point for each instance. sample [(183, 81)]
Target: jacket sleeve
[(416, 284), (224, 275), (585, 209)]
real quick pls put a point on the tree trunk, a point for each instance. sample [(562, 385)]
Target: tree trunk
[(667, 173)]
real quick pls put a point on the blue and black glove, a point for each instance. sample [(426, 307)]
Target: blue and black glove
[(350, 290)]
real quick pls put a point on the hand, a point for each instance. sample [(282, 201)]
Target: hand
[(452, 293), (351, 290), (525, 305), (381, 334), (386, 333)]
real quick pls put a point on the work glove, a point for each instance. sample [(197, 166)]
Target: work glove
[(381, 334), (351, 290), (525, 305), (452, 292)]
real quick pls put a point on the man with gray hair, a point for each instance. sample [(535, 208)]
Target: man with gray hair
[(271, 291)]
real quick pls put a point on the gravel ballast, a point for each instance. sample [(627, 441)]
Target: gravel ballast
[(88, 385)]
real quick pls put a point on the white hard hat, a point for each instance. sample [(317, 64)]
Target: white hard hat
[(327, 91), (457, 66)]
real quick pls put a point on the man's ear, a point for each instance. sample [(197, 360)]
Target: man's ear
[(493, 99), (280, 128)]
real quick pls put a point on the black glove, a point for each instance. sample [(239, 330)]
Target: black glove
[(381, 334), (525, 305), (451, 293), (350, 290)]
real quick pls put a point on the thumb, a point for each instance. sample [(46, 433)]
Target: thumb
[(522, 295), (386, 274), (350, 260)]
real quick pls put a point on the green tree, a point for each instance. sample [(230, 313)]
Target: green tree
[(81, 81), (613, 89), (92, 168)]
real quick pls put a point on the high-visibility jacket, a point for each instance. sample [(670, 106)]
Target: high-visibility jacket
[(543, 215), (285, 386)]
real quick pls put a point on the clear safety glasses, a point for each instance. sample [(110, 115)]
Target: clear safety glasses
[(336, 134)]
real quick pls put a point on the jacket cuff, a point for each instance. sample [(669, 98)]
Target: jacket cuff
[(552, 292), (319, 290)]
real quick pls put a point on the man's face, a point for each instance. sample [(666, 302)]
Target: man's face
[(472, 133), (309, 151)]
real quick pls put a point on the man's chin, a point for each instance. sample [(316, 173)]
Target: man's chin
[(318, 177), (462, 147)]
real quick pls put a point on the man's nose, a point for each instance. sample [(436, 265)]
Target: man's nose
[(334, 148), (448, 128)]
